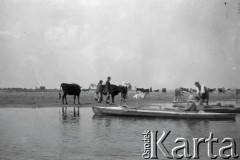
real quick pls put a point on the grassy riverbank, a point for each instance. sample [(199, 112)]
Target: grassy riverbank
[(51, 99)]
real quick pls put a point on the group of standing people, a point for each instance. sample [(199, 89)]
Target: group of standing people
[(103, 89)]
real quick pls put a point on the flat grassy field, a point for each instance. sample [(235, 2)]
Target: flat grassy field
[(51, 99)]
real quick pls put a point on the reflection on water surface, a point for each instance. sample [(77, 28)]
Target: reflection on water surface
[(42, 133)]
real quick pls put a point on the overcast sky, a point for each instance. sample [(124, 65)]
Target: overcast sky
[(158, 43)]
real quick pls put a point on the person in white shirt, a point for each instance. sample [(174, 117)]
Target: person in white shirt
[(202, 92)]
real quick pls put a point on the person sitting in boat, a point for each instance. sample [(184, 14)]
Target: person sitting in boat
[(194, 104), (191, 105), (202, 92)]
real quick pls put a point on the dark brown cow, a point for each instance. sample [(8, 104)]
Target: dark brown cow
[(142, 90), (221, 90), (115, 90), (164, 90), (210, 90), (69, 89)]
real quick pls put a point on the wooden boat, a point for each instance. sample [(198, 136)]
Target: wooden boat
[(127, 111), (214, 108)]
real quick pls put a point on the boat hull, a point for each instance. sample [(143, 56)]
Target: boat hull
[(222, 110), (213, 108), (122, 111)]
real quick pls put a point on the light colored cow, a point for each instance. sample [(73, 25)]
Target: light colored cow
[(140, 95)]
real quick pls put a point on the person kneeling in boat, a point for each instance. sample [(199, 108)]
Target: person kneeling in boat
[(194, 104)]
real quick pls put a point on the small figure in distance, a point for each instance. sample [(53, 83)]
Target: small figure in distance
[(202, 92), (178, 95), (98, 92)]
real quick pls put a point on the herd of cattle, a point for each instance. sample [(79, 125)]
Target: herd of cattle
[(190, 90), (75, 90)]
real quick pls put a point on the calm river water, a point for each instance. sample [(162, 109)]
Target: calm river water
[(42, 133)]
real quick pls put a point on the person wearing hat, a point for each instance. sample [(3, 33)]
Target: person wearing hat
[(202, 92), (99, 92), (108, 89)]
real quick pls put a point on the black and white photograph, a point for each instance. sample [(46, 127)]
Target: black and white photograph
[(119, 79)]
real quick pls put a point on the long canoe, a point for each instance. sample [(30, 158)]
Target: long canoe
[(126, 111)]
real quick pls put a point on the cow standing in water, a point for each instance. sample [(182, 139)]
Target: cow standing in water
[(69, 89)]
